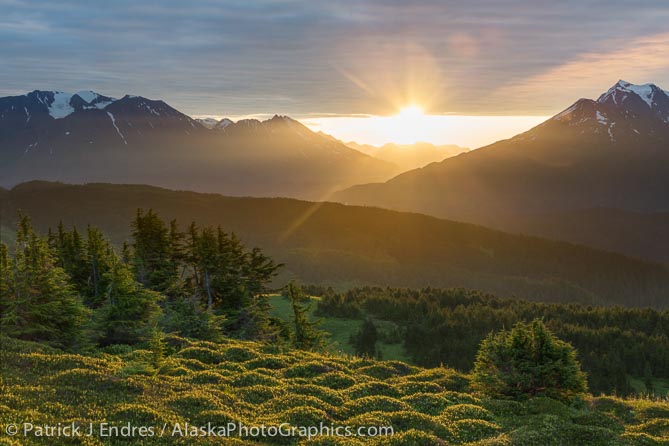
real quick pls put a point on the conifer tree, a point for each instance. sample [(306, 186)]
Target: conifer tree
[(365, 339), (98, 264), (130, 311), (306, 335), (153, 259), (6, 277), (528, 361), (42, 305)]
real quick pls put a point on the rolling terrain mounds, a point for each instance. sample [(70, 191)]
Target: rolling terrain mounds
[(255, 384)]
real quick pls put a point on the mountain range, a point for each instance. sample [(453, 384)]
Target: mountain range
[(606, 156), (86, 137), (595, 174), (410, 156)]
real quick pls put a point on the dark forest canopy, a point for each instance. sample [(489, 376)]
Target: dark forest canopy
[(447, 327)]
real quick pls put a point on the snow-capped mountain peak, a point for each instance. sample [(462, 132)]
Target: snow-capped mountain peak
[(622, 92), (223, 123), (61, 104), (626, 114)]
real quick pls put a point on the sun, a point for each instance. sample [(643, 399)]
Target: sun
[(411, 111)]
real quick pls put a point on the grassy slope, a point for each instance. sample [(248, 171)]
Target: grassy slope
[(255, 384), (341, 245), (341, 329)]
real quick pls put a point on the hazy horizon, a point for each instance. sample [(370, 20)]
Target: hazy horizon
[(458, 61)]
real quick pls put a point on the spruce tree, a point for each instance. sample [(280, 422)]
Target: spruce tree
[(130, 310), (365, 339), (42, 305), (528, 361), (306, 335), (98, 263), (6, 291), (153, 259)]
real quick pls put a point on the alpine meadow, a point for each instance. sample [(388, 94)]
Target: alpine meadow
[(289, 222)]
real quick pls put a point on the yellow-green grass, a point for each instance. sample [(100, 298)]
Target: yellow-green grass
[(255, 384)]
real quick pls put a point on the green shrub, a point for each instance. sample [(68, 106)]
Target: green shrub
[(466, 412), (547, 406), (138, 368), (551, 430), (409, 420), (656, 428), (232, 367), (447, 378), (410, 438), (468, 430), (375, 403), (193, 402), (307, 370), (652, 410), (249, 379), (290, 401), (335, 380), (613, 406), (599, 419), (427, 403), (505, 408), (528, 361), (258, 394), (330, 396), (380, 371), (204, 355), (641, 439), (369, 419), (205, 377), (411, 388), (303, 416), (371, 389), (217, 417), (461, 398), (267, 362), (239, 354), (137, 414)]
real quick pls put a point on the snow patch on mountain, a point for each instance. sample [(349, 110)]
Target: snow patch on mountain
[(60, 106), (113, 120), (617, 93)]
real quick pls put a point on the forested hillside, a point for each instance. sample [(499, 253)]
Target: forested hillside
[(625, 351), (344, 246)]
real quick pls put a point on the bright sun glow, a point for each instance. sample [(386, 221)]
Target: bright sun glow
[(411, 111), (412, 125)]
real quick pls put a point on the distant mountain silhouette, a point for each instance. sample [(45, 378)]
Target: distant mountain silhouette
[(90, 137), (611, 153), (410, 156)]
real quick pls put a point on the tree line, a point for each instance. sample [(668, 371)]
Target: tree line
[(447, 326), (74, 290)]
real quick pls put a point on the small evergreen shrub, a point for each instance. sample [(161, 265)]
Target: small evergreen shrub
[(427, 403), (375, 403), (372, 388), (335, 380), (528, 361)]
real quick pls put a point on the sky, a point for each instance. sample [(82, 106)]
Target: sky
[(347, 61)]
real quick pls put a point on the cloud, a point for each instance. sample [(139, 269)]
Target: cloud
[(641, 60), (239, 57)]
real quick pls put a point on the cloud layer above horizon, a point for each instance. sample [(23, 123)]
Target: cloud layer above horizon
[(316, 58)]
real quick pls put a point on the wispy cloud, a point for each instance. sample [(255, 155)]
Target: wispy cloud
[(239, 57), (641, 60)]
